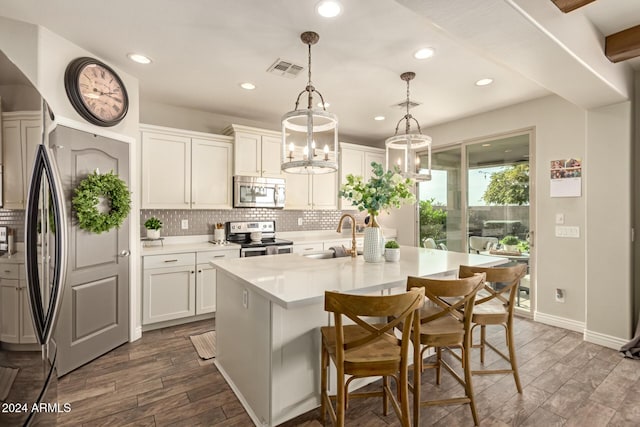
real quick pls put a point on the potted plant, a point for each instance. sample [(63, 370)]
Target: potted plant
[(153, 226), (384, 190), (392, 251), (510, 243)]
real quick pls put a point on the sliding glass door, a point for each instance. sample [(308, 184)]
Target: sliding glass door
[(479, 201)]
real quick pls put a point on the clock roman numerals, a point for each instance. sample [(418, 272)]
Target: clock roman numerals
[(96, 91)]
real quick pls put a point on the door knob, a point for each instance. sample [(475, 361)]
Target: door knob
[(125, 253)]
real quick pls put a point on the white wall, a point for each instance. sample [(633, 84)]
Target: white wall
[(608, 274), (562, 130)]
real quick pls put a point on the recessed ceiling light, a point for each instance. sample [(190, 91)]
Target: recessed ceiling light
[(379, 118), (484, 82), (140, 59), (424, 53), (326, 105), (486, 145), (248, 86), (329, 8)]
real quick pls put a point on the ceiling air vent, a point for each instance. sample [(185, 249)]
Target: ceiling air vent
[(285, 68), (403, 104)]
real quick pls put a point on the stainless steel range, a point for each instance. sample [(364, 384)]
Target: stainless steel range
[(257, 238)]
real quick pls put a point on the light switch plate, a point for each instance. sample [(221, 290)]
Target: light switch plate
[(567, 231)]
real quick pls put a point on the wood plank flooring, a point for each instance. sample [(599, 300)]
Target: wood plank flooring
[(159, 380)]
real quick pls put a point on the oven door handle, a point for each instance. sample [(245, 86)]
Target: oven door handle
[(246, 250)]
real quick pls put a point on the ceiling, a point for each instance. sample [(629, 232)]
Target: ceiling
[(203, 49)]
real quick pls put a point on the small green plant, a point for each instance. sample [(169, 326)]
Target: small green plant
[(510, 240), (153, 223), (392, 244)]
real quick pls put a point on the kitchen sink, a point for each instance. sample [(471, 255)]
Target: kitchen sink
[(320, 255), (324, 255)]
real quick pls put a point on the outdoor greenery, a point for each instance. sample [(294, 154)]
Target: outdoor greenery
[(509, 187), (153, 223), (433, 220), (392, 244)]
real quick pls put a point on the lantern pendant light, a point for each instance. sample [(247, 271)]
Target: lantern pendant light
[(405, 147), (309, 136)]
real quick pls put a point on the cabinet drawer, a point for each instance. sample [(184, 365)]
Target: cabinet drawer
[(169, 260), (205, 257), (11, 271), (308, 247)]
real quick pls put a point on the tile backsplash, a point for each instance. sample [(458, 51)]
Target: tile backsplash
[(202, 221), (14, 219)]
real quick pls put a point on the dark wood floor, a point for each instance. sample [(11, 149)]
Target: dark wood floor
[(159, 380)]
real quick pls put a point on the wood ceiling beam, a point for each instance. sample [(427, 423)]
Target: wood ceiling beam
[(568, 5), (623, 45)]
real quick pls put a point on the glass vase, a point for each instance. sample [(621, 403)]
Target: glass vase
[(373, 242)]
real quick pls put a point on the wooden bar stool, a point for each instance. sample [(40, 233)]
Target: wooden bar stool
[(365, 349), (444, 323), (494, 306)]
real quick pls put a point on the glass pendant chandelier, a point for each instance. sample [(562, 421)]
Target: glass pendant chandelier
[(402, 150), (309, 136)]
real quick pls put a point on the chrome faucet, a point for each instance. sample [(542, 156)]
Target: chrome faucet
[(353, 251)]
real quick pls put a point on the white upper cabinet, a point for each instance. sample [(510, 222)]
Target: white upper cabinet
[(211, 186), (185, 170), (324, 191), (356, 160), (21, 135), (311, 192), (256, 151)]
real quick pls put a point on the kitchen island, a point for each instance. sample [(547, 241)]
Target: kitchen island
[(270, 309)]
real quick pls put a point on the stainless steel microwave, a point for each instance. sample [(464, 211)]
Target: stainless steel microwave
[(254, 192)]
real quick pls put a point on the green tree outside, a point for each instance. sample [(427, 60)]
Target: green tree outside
[(509, 187), (433, 221)]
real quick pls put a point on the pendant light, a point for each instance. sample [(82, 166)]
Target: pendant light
[(404, 147), (309, 136)]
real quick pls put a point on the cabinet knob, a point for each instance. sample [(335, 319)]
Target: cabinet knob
[(199, 271), (124, 253), (193, 272)]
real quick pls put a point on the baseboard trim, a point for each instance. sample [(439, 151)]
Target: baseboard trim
[(561, 322), (137, 334), (604, 339)]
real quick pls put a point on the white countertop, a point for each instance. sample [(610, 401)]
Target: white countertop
[(292, 280)]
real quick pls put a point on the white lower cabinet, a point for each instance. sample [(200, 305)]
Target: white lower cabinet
[(179, 286), (206, 280), (16, 325), (169, 287)]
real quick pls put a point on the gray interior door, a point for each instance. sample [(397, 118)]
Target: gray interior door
[(94, 316)]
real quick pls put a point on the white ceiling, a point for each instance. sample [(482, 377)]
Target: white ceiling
[(203, 49)]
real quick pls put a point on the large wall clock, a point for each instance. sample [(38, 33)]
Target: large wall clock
[(96, 91)]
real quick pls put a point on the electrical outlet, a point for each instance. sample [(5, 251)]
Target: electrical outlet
[(299, 221), (560, 295), (185, 224), (559, 218)]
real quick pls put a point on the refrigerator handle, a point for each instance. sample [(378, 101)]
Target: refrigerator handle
[(44, 314)]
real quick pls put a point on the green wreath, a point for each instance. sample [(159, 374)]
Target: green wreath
[(86, 199)]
